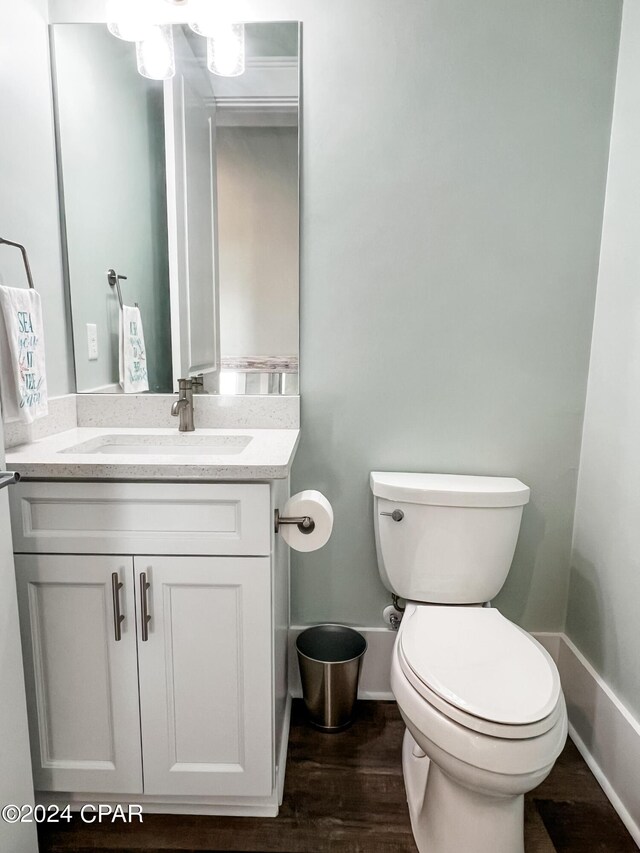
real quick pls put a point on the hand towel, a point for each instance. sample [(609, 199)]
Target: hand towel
[(133, 356), (23, 380)]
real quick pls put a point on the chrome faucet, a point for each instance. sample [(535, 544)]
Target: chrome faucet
[(183, 406)]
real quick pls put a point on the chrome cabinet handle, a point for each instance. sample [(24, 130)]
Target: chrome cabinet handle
[(8, 478), (144, 607), (396, 515), (118, 618)]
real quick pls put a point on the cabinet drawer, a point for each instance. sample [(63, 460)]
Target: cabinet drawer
[(141, 518)]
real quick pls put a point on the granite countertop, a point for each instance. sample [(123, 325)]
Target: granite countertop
[(219, 454)]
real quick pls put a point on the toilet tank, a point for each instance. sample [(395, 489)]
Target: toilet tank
[(452, 538)]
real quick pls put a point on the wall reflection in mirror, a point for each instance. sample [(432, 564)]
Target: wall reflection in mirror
[(187, 189)]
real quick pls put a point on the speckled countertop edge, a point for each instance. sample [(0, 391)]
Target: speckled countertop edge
[(267, 457)]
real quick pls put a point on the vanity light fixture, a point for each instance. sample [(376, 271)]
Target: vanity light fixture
[(129, 21), (225, 41), (206, 17), (155, 54), (139, 21)]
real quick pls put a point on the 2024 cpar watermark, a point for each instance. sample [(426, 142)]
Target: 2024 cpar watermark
[(89, 813)]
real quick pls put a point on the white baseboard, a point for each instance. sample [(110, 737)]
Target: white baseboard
[(602, 728), (604, 731), (376, 667)]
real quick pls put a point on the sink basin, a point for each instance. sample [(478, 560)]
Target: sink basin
[(164, 445)]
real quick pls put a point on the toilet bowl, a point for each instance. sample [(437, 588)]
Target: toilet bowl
[(466, 774), (481, 698)]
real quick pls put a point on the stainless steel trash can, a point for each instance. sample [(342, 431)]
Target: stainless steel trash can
[(330, 657)]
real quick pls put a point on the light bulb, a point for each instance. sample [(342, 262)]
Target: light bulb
[(225, 50), (129, 20), (155, 55)]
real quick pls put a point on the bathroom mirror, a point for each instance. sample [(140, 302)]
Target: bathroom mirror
[(187, 189)]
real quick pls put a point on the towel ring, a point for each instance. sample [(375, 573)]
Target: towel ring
[(27, 268)]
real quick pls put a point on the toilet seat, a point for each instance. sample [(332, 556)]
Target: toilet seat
[(480, 670)]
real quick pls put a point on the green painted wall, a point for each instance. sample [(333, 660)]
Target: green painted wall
[(602, 617), (454, 157), (454, 163)]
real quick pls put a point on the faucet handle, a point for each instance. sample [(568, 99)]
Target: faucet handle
[(185, 384)]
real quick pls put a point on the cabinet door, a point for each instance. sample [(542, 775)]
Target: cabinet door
[(82, 683), (205, 675)]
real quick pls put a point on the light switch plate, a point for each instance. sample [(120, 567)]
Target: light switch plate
[(92, 341)]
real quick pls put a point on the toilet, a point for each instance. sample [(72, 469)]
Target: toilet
[(481, 699)]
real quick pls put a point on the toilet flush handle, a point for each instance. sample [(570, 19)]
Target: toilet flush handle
[(396, 515)]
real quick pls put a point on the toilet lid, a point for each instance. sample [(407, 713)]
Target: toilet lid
[(479, 662)]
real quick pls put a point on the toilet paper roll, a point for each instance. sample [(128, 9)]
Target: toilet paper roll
[(314, 504)]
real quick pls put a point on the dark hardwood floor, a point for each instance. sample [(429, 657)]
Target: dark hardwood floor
[(344, 792)]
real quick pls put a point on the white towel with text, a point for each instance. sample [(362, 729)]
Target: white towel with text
[(133, 355), (23, 379)]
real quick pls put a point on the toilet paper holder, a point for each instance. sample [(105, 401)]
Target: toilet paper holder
[(304, 522)]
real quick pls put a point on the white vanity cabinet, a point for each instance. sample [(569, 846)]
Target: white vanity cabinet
[(149, 616), (205, 675), (82, 685)]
